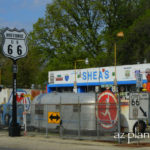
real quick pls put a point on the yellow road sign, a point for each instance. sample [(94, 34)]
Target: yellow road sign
[(54, 117)]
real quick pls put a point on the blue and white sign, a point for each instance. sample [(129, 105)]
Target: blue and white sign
[(95, 76), (139, 79)]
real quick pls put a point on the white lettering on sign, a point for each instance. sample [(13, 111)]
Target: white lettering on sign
[(15, 84)]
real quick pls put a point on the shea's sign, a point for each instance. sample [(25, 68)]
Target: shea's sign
[(104, 75)]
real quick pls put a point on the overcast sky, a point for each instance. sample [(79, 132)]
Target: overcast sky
[(21, 13)]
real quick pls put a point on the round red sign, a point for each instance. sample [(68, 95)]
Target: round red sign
[(107, 109)]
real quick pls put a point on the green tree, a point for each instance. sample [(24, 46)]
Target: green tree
[(76, 29), (28, 68), (71, 30), (5, 75), (119, 15), (135, 47)]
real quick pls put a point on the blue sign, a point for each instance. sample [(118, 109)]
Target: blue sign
[(95, 75), (66, 77)]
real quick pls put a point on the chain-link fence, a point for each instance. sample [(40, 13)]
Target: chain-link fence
[(100, 117), (96, 120), (88, 121)]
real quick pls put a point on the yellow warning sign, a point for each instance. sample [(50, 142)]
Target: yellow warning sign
[(54, 117)]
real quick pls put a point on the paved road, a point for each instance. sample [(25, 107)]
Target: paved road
[(37, 142), (3, 148)]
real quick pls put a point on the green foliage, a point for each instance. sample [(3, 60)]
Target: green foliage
[(69, 31), (135, 47), (76, 29)]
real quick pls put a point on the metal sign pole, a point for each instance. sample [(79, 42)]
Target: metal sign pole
[(14, 110), (14, 46), (119, 119), (14, 129)]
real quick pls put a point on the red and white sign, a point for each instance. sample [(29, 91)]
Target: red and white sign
[(107, 109), (21, 98)]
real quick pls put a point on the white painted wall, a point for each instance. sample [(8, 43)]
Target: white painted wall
[(4, 95)]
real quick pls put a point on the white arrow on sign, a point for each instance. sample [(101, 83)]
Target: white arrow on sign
[(139, 106), (14, 43)]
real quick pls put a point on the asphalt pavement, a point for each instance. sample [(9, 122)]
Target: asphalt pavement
[(41, 142), (3, 148)]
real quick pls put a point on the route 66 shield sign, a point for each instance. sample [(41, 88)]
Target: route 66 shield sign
[(14, 43)]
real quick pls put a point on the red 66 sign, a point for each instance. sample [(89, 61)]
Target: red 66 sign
[(14, 43)]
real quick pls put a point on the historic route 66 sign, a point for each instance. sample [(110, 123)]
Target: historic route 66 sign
[(139, 106), (14, 43)]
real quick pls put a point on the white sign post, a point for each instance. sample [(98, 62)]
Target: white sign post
[(139, 106), (14, 47)]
